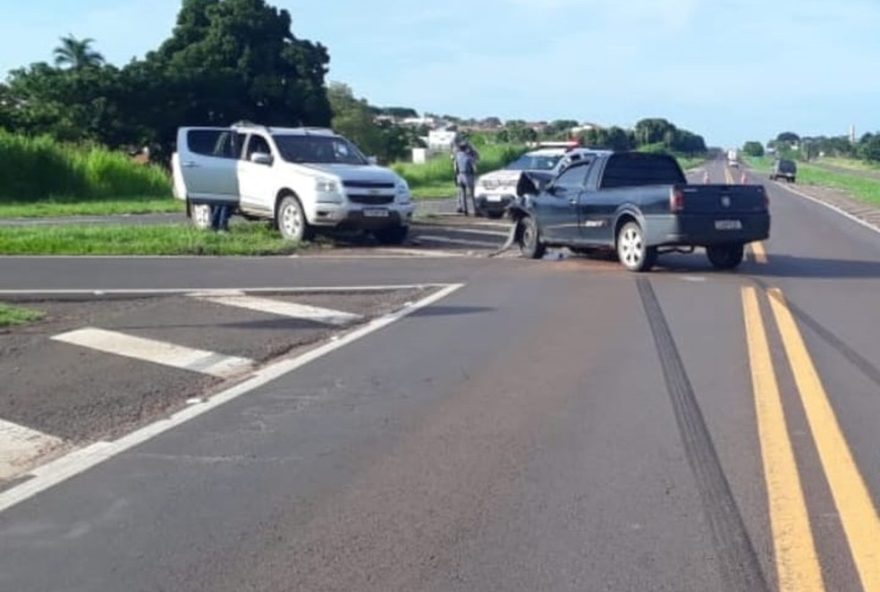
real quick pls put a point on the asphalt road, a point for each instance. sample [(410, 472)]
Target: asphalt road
[(552, 425)]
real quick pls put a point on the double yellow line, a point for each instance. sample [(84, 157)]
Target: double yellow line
[(797, 563)]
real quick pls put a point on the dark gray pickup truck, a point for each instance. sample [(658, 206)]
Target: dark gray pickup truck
[(640, 205)]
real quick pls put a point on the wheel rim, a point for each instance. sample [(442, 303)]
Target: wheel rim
[(529, 237), (201, 215), (291, 221), (632, 248)]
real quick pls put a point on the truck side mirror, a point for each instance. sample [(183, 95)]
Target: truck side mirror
[(261, 158), (372, 160)]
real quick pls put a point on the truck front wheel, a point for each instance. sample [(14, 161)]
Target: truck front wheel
[(530, 244), (725, 256)]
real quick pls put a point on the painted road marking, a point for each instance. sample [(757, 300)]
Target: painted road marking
[(728, 176), (460, 230), (292, 310), (758, 252), (861, 524), (457, 241), (20, 445), (158, 352), (214, 291), (832, 207), (79, 461), (797, 564)]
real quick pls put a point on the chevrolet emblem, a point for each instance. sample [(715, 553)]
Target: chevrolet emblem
[(725, 202)]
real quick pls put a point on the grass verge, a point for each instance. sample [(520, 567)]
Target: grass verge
[(15, 315), (690, 162), (73, 206), (860, 188), (170, 239), (851, 163)]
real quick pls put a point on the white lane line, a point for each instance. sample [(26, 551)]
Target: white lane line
[(213, 291), (158, 352), (281, 308), (20, 445), (832, 207), (457, 241), (79, 461), (418, 252)]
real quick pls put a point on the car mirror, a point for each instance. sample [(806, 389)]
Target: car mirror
[(372, 160), (261, 158)]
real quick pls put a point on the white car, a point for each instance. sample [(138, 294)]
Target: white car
[(496, 190), (304, 179)]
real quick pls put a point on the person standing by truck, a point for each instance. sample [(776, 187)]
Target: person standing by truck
[(465, 164)]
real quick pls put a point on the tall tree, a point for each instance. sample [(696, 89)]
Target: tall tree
[(77, 53)]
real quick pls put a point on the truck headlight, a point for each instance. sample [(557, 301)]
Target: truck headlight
[(401, 190), (326, 185)]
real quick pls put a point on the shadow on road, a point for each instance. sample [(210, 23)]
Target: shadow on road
[(788, 266), (449, 311)]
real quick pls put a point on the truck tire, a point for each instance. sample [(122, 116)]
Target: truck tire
[(291, 220), (200, 215), (726, 257), (632, 251), (395, 235), (530, 244)]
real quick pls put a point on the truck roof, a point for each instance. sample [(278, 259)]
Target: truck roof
[(290, 131)]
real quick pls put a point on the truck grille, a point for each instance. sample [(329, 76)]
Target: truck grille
[(368, 184), (372, 200)]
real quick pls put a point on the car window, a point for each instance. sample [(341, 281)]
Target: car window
[(573, 178), (216, 143), (534, 162), (318, 149), (257, 144), (636, 169)]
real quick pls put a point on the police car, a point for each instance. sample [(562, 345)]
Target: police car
[(496, 190)]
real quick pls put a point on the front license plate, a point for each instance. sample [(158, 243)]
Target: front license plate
[(493, 198), (728, 225), (376, 213)]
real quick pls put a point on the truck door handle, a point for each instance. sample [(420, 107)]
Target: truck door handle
[(190, 164)]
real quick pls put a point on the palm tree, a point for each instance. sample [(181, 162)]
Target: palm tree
[(77, 53)]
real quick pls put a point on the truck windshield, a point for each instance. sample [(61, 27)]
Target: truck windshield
[(635, 169), (318, 149)]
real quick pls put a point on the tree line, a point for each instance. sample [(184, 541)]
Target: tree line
[(232, 60), (793, 146)]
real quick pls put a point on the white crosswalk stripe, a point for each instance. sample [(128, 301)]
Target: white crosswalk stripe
[(158, 352), (20, 445), (282, 308)]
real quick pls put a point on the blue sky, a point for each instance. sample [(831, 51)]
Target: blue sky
[(732, 70)]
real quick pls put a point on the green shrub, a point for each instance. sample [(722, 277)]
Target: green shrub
[(439, 169), (33, 169)]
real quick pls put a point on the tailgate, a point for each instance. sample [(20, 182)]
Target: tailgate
[(722, 199)]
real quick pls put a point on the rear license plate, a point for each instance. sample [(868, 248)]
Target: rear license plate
[(728, 225), (376, 213)]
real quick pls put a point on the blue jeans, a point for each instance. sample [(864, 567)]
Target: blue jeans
[(465, 185), (220, 217)]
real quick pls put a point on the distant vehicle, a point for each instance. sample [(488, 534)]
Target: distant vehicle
[(496, 190), (784, 169), (641, 206), (733, 158), (303, 179)]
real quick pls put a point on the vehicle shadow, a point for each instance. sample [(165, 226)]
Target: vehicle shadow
[(778, 266)]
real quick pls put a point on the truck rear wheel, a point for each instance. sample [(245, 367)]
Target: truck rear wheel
[(632, 251), (200, 215), (725, 256)]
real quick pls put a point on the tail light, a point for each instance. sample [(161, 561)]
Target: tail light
[(766, 198), (676, 200)]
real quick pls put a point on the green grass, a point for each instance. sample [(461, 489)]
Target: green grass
[(170, 239), (690, 162), (74, 206), (861, 188), (15, 315), (54, 176), (853, 164), (866, 190), (435, 177)]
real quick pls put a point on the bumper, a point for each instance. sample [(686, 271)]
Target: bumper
[(360, 218), (701, 230), (493, 202)]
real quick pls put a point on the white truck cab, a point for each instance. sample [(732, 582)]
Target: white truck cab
[(301, 178)]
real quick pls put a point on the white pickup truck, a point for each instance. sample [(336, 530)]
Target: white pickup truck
[(303, 179)]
